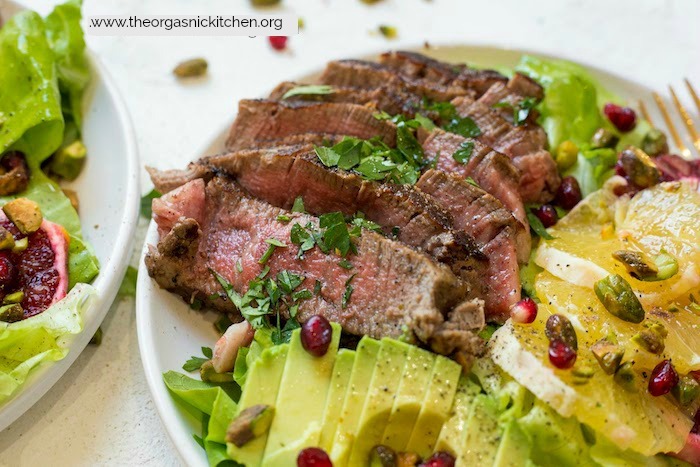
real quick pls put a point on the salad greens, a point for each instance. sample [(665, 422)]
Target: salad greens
[(25, 344), (572, 111), (43, 75)]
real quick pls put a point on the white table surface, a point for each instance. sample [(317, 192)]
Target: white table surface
[(100, 412)]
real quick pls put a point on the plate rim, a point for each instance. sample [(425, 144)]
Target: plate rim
[(187, 449), (108, 280)]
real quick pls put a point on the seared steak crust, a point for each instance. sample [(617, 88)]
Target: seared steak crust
[(397, 292), (261, 120)]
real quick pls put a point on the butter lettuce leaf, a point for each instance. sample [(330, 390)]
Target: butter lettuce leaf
[(30, 342), (572, 109)]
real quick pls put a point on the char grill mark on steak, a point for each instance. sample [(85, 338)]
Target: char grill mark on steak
[(422, 223), (260, 120), (500, 236), (491, 170), (524, 144), (396, 289), (370, 75), (417, 66)]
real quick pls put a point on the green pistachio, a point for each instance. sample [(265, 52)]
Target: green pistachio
[(20, 245), (619, 299), (14, 297), (667, 266), (687, 390), (566, 155), (191, 68), (639, 167), (638, 265), (609, 355), (11, 313), (650, 341), (603, 138), (7, 240), (624, 376), (250, 423), (382, 456), (559, 328), (654, 142)]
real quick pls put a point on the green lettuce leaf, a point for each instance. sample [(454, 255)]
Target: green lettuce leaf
[(30, 342), (572, 110)]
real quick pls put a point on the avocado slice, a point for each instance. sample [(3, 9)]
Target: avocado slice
[(483, 433), (362, 370), (514, 450), (262, 386), (436, 406), (300, 402), (453, 434), (336, 396), (409, 398), (387, 375)]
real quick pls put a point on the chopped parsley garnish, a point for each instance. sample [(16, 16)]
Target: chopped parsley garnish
[(374, 160), (345, 264), (348, 292), (536, 225), (471, 181), (283, 218), (273, 243), (309, 89), (317, 287), (452, 121), (265, 299), (223, 323), (464, 152), (359, 222), (195, 363), (298, 205), (521, 111), (239, 266)]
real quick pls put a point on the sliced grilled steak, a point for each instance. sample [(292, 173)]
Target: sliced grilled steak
[(500, 236), (260, 120), (418, 66), (493, 171), (383, 98), (524, 144), (396, 291), (370, 75)]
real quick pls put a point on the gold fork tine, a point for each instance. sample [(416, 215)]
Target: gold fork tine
[(645, 112), (687, 120), (694, 94), (671, 127)]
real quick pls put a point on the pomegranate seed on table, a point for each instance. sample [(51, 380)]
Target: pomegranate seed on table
[(524, 312), (569, 193), (439, 459), (623, 118), (316, 335), (663, 378), (547, 215), (561, 355), (278, 42), (313, 457)]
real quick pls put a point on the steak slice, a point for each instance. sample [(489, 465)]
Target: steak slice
[(370, 75), (491, 170), (418, 66), (401, 210), (500, 236), (260, 120), (396, 291), (524, 144), (383, 98)]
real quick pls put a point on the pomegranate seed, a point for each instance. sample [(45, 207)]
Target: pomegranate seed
[(316, 335), (439, 459), (524, 312), (569, 193), (278, 42), (663, 379), (8, 271), (623, 118), (313, 457), (561, 355), (547, 215)]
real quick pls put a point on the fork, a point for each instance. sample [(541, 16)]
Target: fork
[(686, 118)]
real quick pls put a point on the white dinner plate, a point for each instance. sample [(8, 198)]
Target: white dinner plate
[(108, 191), (170, 332)]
